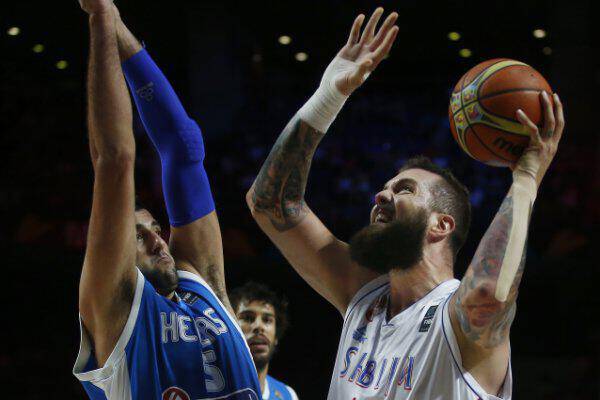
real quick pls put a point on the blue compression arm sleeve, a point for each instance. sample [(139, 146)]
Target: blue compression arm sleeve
[(176, 137)]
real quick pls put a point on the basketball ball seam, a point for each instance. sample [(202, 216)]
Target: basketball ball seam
[(495, 93), (503, 116), (484, 145), (490, 95), (502, 130), (473, 131), (462, 87)]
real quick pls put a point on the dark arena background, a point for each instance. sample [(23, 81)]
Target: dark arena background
[(242, 85)]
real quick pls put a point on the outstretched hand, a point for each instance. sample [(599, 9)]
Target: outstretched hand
[(542, 146), (363, 53)]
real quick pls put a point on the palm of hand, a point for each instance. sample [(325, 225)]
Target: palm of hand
[(357, 52), (363, 53)]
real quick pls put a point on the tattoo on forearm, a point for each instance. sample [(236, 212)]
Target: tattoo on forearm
[(280, 184), (482, 318)]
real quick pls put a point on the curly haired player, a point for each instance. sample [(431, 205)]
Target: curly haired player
[(263, 317)]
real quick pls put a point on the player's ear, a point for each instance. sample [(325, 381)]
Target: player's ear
[(440, 226)]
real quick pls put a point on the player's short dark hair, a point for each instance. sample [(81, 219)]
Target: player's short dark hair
[(450, 197), (254, 291)]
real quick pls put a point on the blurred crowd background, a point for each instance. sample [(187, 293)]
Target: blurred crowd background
[(242, 83)]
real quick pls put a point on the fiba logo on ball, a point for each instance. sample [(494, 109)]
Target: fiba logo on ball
[(508, 146), (175, 393), (146, 92)]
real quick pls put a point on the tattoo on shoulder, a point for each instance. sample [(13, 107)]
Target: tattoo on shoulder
[(280, 185)]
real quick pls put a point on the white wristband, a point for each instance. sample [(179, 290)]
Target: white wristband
[(322, 108), (524, 193)]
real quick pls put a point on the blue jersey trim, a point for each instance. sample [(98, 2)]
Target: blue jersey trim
[(139, 366), (359, 296), (452, 353), (185, 275)]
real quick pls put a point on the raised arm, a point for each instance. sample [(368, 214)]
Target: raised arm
[(108, 276), (195, 241), (276, 198), (484, 306)]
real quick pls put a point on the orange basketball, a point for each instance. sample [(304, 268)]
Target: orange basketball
[(483, 107)]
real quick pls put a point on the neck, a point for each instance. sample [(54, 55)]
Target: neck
[(410, 285), (262, 378)]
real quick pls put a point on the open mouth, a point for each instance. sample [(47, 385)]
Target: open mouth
[(382, 216)]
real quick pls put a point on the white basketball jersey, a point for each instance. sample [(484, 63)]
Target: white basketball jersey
[(413, 356)]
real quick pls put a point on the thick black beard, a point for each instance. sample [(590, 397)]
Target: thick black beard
[(394, 245), (165, 282)]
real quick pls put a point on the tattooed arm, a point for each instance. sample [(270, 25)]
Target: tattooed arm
[(276, 198), (483, 319), (480, 320)]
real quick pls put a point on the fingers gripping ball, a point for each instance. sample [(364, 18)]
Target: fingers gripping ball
[(483, 107)]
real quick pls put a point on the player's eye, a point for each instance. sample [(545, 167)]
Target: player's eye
[(139, 237), (405, 188)]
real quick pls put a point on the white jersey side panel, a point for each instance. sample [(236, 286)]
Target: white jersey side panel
[(113, 377), (413, 356)]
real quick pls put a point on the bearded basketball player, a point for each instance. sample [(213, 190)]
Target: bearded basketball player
[(263, 317), (152, 323), (411, 331)]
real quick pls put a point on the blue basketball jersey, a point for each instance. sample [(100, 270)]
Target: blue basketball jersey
[(277, 390), (188, 349)]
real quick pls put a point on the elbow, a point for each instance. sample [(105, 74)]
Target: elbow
[(116, 160), (251, 202), (260, 210), (480, 305)]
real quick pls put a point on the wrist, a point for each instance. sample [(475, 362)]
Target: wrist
[(525, 183), (104, 18), (323, 106)]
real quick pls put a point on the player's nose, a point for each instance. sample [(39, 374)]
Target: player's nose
[(383, 197), (156, 244), (257, 326)]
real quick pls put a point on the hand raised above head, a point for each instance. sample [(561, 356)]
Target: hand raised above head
[(362, 53), (543, 145)]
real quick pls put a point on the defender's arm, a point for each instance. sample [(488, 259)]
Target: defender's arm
[(195, 240), (484, 306), (276, 198), (108, 276)]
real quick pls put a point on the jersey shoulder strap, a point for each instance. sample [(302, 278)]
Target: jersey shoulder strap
[(365, 293)]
